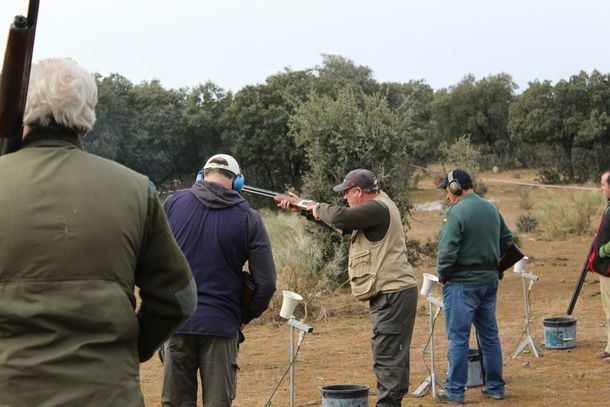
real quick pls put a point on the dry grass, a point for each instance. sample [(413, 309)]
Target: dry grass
[(299, 262), (569, 216)]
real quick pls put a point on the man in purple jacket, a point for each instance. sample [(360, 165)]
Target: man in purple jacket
[(218, 232)]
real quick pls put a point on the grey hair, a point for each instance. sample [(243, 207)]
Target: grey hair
[(61, 92)]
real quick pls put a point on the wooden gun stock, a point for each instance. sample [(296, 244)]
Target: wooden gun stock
[(580, 282), (15, 78)]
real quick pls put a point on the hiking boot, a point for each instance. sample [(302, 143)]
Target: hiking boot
[(602, 355), (491, 396), (442, 398)]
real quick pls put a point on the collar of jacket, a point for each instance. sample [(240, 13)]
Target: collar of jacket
[(36, 136)]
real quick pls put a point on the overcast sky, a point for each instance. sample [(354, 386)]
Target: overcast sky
[(239, 42)]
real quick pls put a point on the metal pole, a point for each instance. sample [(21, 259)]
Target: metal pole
[(431, 380), (432, 375), (528, 341), (527, 305), (291, 366)]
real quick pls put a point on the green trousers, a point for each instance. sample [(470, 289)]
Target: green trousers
[(214, 357), (393, 317)]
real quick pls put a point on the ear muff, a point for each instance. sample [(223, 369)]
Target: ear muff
[(238, 182), (453, 184)]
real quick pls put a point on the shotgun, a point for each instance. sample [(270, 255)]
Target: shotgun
[(15, 78), (581, 281), (302, 204)]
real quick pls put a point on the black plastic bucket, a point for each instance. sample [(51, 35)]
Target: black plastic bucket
[(559, 332), (345, 395)]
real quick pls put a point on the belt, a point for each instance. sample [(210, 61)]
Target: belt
[(474, 267)]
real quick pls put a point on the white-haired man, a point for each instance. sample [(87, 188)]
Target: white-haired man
[(218, 232), (77, 233)]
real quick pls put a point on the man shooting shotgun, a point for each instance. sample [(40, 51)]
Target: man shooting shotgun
[(15, 78), (379, 273)]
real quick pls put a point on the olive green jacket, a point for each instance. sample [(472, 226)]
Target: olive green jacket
[(77, 233)]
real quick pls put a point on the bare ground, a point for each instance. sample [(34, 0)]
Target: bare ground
[(338, 351)]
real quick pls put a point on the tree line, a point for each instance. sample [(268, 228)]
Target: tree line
[(306, 128)]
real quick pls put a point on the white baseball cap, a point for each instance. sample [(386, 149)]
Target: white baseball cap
[(218, 161)]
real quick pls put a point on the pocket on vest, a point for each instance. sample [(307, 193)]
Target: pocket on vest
[(362, 277)]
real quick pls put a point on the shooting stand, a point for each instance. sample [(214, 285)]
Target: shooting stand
[(304, 328), (528, 341), (431, 381)]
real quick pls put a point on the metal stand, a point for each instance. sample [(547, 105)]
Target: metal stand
[(528, 341), (431, 380), (304, 328)]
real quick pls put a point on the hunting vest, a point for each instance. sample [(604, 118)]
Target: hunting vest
[(376, 267)]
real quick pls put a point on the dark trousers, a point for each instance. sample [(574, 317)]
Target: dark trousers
[(216, 359), (393, 317)]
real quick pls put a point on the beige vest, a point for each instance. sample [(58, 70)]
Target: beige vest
[(382, 266)]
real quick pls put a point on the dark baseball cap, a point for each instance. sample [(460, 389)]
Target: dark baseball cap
[(362, 178), (460, 176)]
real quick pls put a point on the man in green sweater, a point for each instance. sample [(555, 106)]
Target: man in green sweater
[(473, 238)]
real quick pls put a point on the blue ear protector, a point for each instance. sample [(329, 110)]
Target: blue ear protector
[(238, 182)]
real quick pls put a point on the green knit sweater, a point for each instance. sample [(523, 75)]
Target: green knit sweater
[(473, 234)]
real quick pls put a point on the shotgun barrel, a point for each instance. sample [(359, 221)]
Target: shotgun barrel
[(15, 78), (580, 282), (259, 191), (302, 204)]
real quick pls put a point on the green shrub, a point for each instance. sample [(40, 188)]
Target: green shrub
[(526, 200), (417, 250), (527, 223), (569, 216), (299, 259)]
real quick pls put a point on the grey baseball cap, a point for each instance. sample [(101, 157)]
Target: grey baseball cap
[(362, 178)]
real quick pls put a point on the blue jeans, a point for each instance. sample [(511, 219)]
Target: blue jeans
[(467, 304)]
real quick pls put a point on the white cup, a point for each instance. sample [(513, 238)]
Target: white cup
[(289, 303), (520, 265), (430, 280)]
